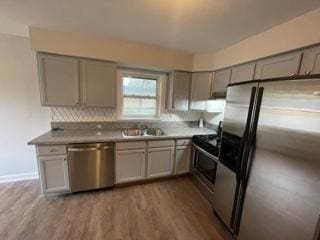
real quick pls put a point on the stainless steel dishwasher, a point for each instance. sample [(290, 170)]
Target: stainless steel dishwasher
[(91, 166)]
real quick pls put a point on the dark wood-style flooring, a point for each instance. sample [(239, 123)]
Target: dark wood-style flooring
[(170, 209)]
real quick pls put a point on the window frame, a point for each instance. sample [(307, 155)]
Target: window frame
[(140, 74)]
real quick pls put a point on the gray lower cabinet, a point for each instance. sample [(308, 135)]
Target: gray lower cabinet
[(54, 174), (160, 162), (137, 160), (98, 79), (182, 161), (71, 81), (53, 169), (221, 80), (310, 61), (59, 80), (241, 73), (178, 91), (279, 66), (130, 165), (200, 90)]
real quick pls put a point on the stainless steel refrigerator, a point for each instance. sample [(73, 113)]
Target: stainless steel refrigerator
[(268, 177)]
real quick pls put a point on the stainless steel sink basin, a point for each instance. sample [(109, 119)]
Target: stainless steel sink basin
[(132, 132), (136, 132), (153, 132)]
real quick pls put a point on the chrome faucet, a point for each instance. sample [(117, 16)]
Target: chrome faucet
[(142, 126)]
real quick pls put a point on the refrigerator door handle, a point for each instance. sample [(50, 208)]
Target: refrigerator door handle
[(317, 232), (249, 117), (247, 155), (251, 140), (246, 131)]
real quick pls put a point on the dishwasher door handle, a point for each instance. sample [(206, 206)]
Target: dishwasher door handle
[(88, 149)]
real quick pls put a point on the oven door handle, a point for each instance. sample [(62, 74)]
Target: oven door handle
[(205, 153)]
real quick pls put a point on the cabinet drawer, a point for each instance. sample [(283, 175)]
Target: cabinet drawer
[(51, 150), (161, 143), (183, 142), (130, 145)]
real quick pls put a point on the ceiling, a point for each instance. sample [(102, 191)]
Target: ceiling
[(195, 26)]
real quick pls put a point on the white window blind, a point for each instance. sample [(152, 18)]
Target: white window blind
[(140, 96)]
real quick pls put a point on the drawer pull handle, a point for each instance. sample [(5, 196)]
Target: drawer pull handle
[(293, 74), (88, 149)]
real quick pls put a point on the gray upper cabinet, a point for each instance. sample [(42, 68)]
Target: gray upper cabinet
[(310, 61), (200, 90), (241, 73), (59, 80), (179, 91), (279, 66), (221, 80), (71, 81), (98, 79)]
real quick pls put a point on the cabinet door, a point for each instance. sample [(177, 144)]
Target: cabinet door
[(182, 163), (221, 80), (280, 66), (130, 165), (200, 90), (310, 61), (160, 162), (54, 174), (98, 80), (59, 80), (179, 91), (242, 73)]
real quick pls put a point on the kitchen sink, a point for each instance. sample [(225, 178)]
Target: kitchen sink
[(132, 132), (136, 132), (153, 132)]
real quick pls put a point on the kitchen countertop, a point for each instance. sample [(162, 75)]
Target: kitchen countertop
[(112, 135)]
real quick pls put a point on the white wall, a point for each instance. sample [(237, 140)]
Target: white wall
[(123, 52), (21, 117), (296, 33)]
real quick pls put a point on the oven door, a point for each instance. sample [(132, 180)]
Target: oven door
[(205, 166)]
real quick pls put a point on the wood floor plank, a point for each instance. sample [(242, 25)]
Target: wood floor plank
[(169, 210)]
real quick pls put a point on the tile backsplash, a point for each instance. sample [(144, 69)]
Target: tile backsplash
[(93, 114)]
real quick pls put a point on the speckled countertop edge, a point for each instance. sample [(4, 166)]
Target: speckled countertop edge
[(114, 135)]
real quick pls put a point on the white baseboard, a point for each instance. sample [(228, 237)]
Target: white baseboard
[(18, 177)]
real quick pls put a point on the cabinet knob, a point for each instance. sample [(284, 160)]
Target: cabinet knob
[(307, 72), (52, 150)]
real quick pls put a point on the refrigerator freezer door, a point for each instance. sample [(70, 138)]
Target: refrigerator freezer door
[(239, 105), (282, 198)]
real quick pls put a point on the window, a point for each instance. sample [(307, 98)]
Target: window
[(140, 95)]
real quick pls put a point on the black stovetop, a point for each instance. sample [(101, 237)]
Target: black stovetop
[(209, 143)]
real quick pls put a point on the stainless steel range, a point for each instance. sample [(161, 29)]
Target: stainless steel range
[(205, 160)]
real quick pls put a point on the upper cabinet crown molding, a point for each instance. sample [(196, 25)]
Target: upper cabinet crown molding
[(310, 61), (71, 81), (179, 90), (278, 66), (200, 90)]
